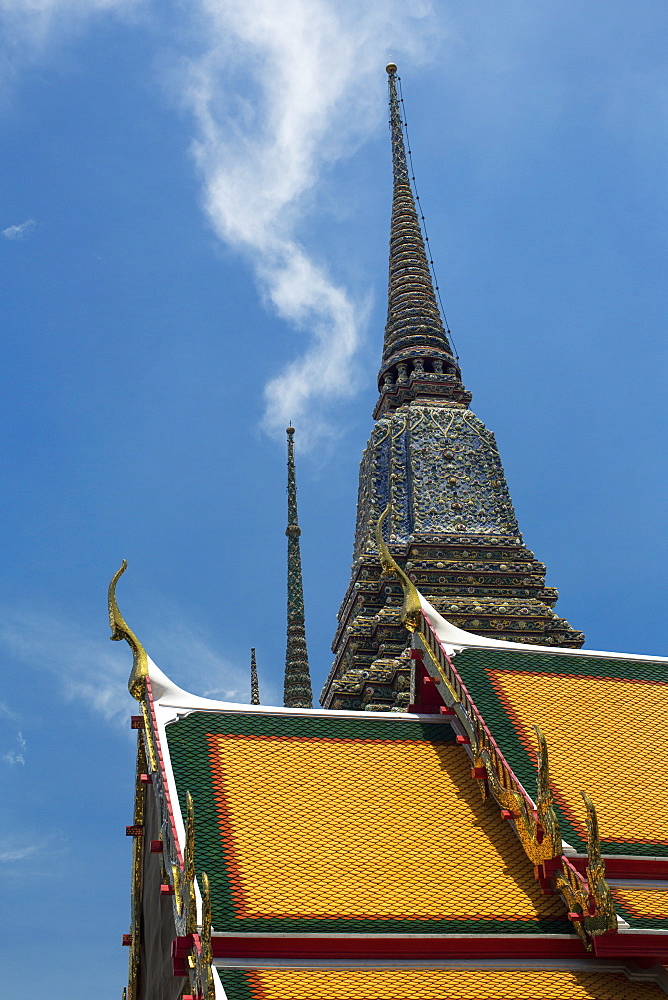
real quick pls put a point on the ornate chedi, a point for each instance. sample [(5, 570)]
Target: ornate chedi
[(297, 691), (452, 525)]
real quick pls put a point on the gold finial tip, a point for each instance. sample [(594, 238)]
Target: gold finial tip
[(289, 430), (391, 68)]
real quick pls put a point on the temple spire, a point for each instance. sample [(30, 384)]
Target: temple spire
[(255, 687), (297, 688), (418, 360)]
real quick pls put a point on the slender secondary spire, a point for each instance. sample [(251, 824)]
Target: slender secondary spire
[(255, 687), (418, 360), (297, 688)]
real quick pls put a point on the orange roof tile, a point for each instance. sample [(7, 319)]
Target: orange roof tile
[(647, 908), (603, 721), (432, 984), (327, 825)]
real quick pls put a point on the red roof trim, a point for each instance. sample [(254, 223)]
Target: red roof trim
[(161, 764), (358, 946)]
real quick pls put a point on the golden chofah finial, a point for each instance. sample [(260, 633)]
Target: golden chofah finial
[(120, 630), (411, 614)]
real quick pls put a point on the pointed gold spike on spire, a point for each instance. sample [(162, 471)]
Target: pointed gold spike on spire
[(121, 630)]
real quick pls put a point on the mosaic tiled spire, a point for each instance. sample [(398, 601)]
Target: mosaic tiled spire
[(255, 687), (452, 526), (297, 688), (418, 360)]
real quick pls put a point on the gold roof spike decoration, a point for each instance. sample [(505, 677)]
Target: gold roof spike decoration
[(539, 833), (590, 901), (120, 630), (412, 609)]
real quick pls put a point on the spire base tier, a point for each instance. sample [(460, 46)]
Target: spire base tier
[(453, 529)]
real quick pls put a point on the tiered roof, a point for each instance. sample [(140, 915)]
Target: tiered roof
[(432, 984), (290, 854)]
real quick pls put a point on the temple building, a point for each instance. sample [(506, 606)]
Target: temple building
[(476, 812)]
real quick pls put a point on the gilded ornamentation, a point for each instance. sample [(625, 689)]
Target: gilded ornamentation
[(176, 883), (137, 877), (538, 831), (590, 899), (120, 630), (205, 937), (412, 610), (189, 868)]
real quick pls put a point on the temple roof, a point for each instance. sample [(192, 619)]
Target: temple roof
[(602, 715), (362, 792), (432, 984), (350, 855)]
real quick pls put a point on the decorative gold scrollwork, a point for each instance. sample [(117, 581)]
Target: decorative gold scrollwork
[(589, 901), (537, 830), (412, 610), (205, 937), (189, 868), (121, 630)]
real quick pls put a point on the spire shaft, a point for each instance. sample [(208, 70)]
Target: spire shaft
[(417, 357), (297, 688), (255, 687)]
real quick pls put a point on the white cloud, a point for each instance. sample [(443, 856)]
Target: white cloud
[(29, 28), (278, 92), (94, 672), (16, 755), (18, 232), (282, 90), (10, 852)]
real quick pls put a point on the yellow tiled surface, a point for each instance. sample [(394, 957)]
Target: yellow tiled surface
[(365, 829), (643, 902), (433, 984), (606, 737)]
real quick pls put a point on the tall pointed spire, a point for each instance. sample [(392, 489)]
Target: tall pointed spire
[(255, 687), (418, 360), (297, 688)]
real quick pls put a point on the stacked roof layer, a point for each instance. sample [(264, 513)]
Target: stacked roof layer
[(432, 984), (603, 719), (363, 824)]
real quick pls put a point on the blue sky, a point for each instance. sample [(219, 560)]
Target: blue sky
[(194, 211)]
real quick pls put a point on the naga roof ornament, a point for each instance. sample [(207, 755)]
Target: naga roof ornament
[(297, 691), (418, 360)]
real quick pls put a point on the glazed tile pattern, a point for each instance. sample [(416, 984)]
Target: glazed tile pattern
[(431, 984), (362, 794), (643, 908), (604, 722)]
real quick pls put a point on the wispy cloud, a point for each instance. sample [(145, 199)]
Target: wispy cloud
[(10, 852), (16, 755), (30, 28), (283, 90), (279, 92), (94, 672), (18, 232)]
